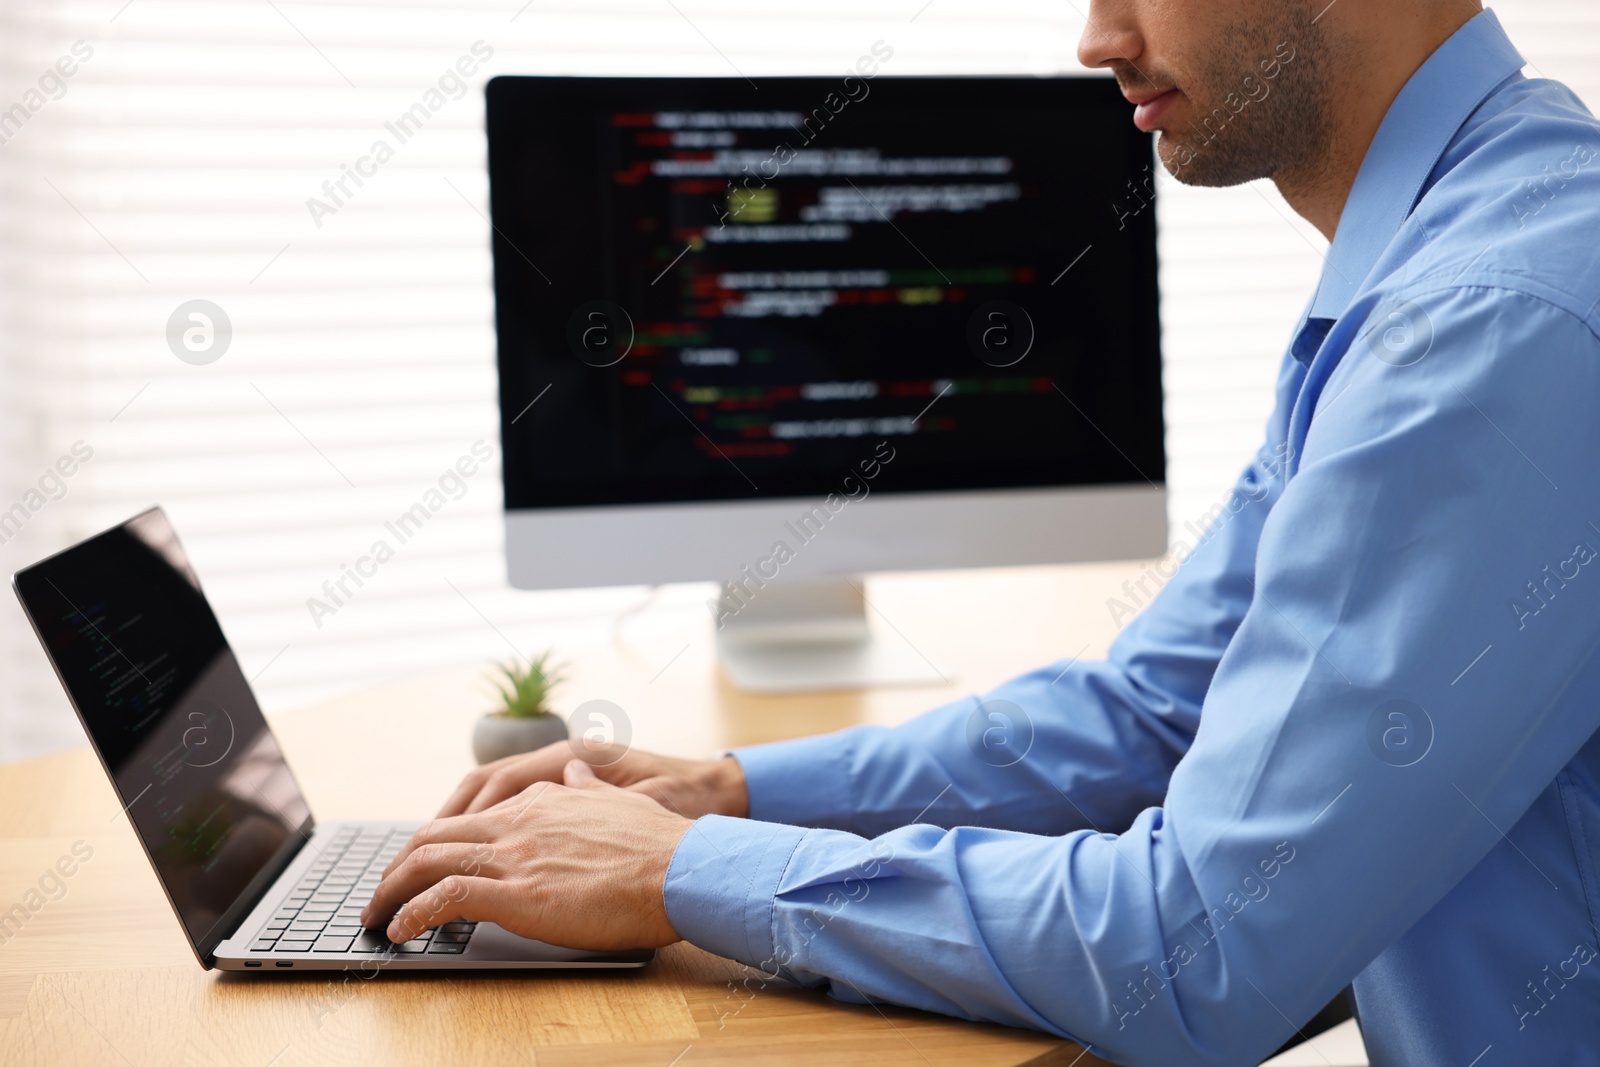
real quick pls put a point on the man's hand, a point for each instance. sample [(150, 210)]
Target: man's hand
[(690, 788), (581, 865)]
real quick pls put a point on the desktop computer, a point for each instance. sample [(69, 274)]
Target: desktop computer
[(779, 335)]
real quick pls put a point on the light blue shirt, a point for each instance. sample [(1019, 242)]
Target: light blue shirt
[(1352, 740)]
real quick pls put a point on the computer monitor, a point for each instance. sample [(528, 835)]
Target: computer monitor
[(777, 335)]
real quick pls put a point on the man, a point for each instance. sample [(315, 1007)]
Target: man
[(1352, 743)]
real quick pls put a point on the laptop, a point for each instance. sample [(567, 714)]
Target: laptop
[(255, 881)]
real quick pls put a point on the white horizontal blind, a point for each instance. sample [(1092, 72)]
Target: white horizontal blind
[(175, 164)]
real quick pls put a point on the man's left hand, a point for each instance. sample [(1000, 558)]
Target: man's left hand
[(582, 864)]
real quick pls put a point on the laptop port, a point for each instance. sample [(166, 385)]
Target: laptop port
[(252, 963), (285, 963)]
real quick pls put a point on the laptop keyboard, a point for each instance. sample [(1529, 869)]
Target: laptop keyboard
[(323, 914)]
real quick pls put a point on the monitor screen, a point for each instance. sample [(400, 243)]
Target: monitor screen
[(710, 292), (171, 715)]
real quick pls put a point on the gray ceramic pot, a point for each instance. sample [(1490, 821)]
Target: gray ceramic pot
[(497, 736)]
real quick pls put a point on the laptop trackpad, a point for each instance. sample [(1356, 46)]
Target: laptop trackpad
[(492, 942)]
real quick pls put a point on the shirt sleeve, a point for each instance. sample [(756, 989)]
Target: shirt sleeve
[(1071, 745), (1392, 695)]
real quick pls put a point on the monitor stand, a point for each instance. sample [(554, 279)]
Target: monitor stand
[(803, 636)]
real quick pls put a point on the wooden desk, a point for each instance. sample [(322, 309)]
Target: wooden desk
[(103, 975)]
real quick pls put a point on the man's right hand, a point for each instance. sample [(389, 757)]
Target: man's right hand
[(690, 788)]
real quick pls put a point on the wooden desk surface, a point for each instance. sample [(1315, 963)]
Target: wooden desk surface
[(103, 975)]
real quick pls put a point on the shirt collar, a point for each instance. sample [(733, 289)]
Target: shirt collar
[(1419, 126)]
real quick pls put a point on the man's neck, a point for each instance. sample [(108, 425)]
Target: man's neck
[(1373, 67)]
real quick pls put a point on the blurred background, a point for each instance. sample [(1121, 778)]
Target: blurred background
[(175, 163)]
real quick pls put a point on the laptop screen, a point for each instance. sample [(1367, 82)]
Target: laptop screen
[(172, 717)]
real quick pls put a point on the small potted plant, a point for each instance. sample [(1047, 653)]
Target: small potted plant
[(524, 721)]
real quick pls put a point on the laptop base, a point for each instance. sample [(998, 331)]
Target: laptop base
[(487, 947)]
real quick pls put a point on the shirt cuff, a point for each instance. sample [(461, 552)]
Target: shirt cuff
[(722, 885), (804, 782)]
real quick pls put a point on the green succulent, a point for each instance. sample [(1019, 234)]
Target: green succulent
[(524, 687)]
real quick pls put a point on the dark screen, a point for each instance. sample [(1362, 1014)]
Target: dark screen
[(173, 719), (709, 292)]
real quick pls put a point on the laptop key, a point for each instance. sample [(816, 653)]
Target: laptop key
[(263, 946), (440, 947), (449, 936), (333, 944), (370, 941), (292, 945), (413, 946)]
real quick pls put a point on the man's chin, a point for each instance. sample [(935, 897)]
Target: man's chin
[(1201, 164), (1179, 158)]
